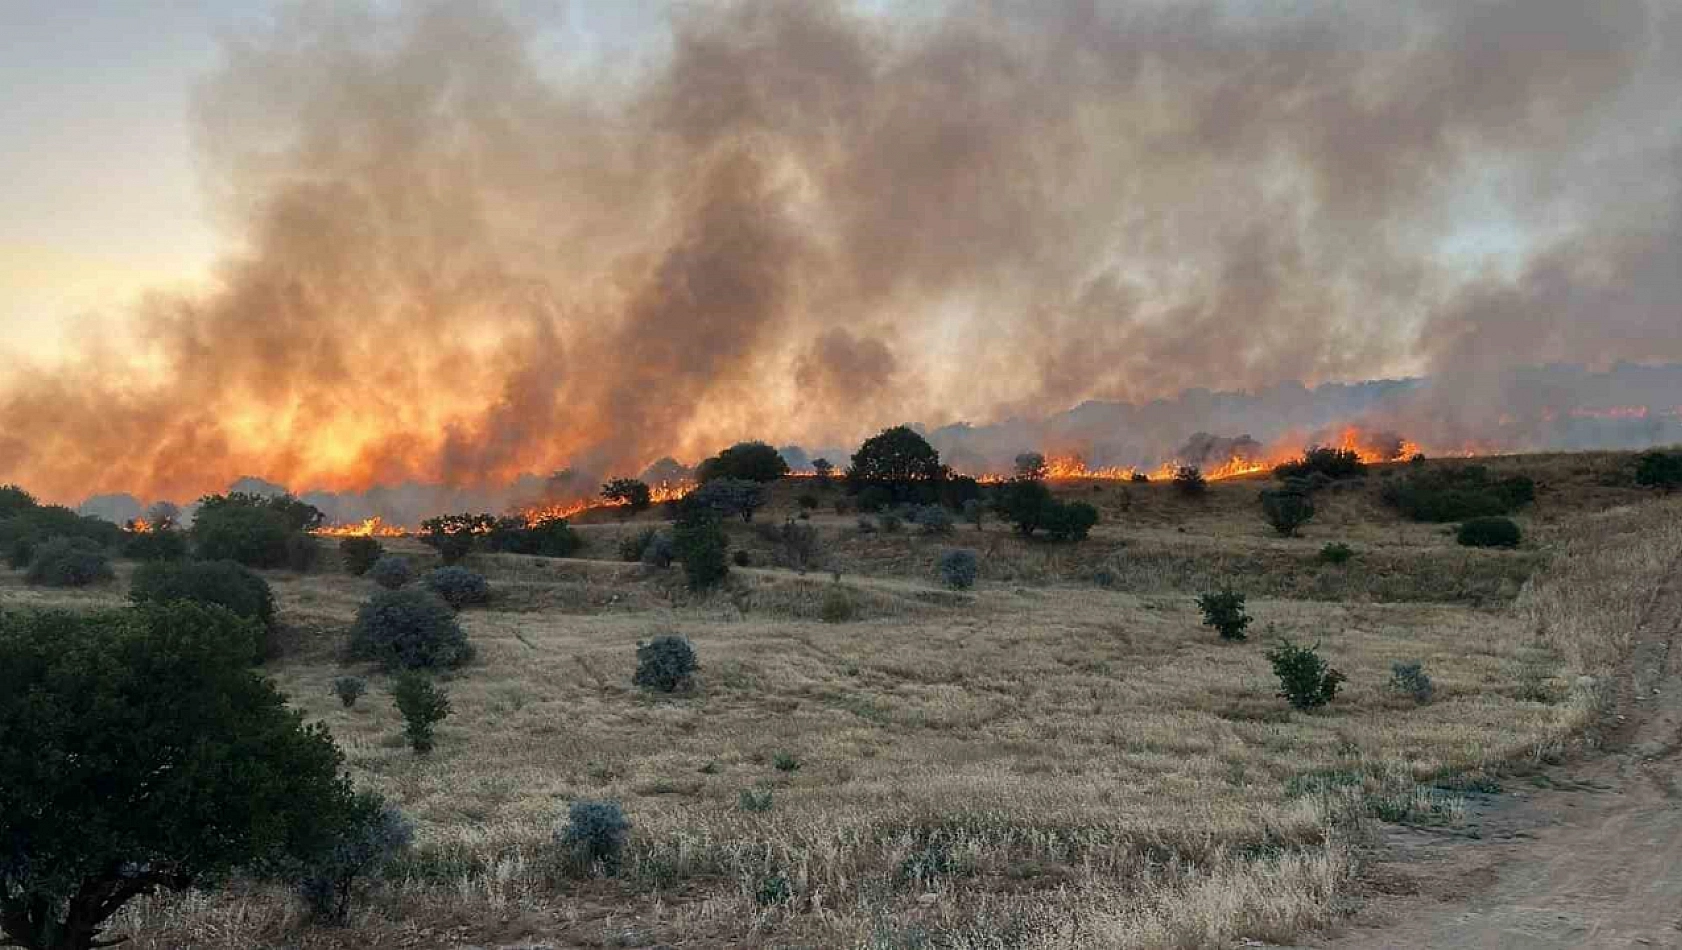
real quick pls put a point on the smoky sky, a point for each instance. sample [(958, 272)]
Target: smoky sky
[(458, 261)]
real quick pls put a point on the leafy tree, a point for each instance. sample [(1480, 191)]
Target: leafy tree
[(458, 586), (163, 515), (730, 496), (631, 495), (349, 689), (360, 554), (975, 512), (1024, 503), (547, 537), (958, 568), (824, 469), (896, 456), (1336, 552), (423, 704), (1031, 465), (1189, 480), (158, 544), (391, 572), (747, 461), (140, 753), (1069, 521), (68, 562), (699, 542), (23, 532), (594, 835), (453, 536), (1457, 493), (14, 501), (1305, 681), (372, 835), (1654, 470), (1287, 510), (1224, 611), (254, 530)]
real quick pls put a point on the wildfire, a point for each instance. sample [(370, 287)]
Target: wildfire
[(1372, 447), (371, 528), (657, 494), (140, 526)]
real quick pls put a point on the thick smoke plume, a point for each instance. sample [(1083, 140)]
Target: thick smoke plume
[(463, 260)]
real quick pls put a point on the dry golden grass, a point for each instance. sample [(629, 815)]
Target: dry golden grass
[(1040, 763)]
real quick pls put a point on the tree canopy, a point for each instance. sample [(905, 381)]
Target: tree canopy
[(750, 461), (896, 455)]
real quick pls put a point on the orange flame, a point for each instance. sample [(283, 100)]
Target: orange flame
[(140, 526), (371, 528), (657, 494)]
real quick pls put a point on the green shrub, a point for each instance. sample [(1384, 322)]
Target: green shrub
[(837, 607), (1658, 469), (549, 537), (958, 568), (1305, 681), (933, 519), (874, 498), (729, 497), (755, 800), (1489, 533), (1336, 552), (699, 541), (140, 753), (1070, 521), (14, 500), (632, 546), (302, 551), (1411, 679), (1224, 611), (391, 572), (374, 835), (742, 558), (1333, 463), (785, 762), (349, 689), (256, 531), (629, 494), (68, 562), (33, 526), (458, 586), (1024, 503), (424, 705), (799, 546), (220, 583), (659, 552), (455, 536), (665, 664), (409, 629), (1287, 510), (1457, 494), (159, 544), (808, 501), (360, 554), (594, 836)]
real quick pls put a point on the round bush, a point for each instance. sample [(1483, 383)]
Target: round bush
[(665, 663), (1489, 533), (410, 629), (594, 835), (360, 554), (458, 586), (958, 568), (158, 545), (223, 583), (390, 572), (68, 562)]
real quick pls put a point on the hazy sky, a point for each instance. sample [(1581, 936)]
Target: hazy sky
[(100, 194)]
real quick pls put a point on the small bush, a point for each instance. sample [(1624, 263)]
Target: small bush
[(1336, 552), (632, 545), (1070, 521), (808, 501), (1287, 510), (360, 554), (373, 835), (302, 551), (837, 607), (958, 568), (68, 562), (391, 572), (799, 546), (409, 629), (1189, 480), (424, 705), (933, 519), (1332, 463), (1224, 611), (874, 498), (659, 551), (1457, 494), (349, 689), (458, 586), (741, 558), (1411, 679), (1658, 469), (594, 836), (785, 762), (700, 543), (222, 583), (1139, 478), (155, 545), (665, 664), (455, 536), (1305, 681), (1489, 533), (755, 800)]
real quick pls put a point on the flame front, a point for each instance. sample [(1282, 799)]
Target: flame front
[(371, 528)]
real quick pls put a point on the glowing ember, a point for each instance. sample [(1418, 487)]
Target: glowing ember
[(140, 526), (657, 494)]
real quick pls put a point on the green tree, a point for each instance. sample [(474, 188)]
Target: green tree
[(752, 461), (453, 536), (1287, 510), (895, 456), (699, 541), (140, 753), (1031, 465), (14, 500), (1024, 503), (632, 496), (730, 496), (254, 530), (424, 705), (1659, 470)]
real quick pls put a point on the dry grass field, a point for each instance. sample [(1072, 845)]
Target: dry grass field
[(1062, 757)]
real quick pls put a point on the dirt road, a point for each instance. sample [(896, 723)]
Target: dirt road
[(1587, 855)]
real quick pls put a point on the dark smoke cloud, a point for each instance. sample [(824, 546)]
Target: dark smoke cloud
[(460, 261)]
